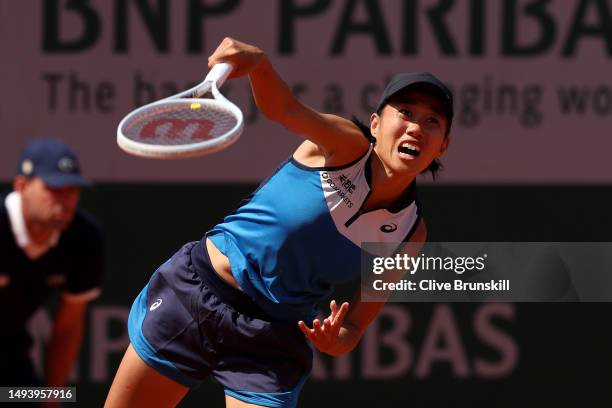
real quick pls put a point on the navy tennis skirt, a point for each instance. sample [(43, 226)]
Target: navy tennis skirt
[(187, 323)]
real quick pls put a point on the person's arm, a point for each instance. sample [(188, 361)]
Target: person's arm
[(340, 332), (65, 343), (338, 138)]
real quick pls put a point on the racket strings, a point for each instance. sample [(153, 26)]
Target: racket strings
[(180, 122)]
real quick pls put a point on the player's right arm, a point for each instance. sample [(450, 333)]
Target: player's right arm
[(337, 138)]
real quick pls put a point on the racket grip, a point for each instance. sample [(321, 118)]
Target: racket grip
[(219, 73)]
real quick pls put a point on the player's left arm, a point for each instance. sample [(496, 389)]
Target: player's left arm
[(66, 338), (340, 332)]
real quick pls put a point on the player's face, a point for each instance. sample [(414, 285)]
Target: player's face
[(410, 133), (51, 207)]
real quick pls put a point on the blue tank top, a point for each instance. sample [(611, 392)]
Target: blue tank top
[(300, 233)]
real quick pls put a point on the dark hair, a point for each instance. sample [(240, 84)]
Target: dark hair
[(433, 167)]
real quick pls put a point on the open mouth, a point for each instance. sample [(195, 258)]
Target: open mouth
[(408, 149)]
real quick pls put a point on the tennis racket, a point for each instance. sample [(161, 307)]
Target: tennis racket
[(184, 125)]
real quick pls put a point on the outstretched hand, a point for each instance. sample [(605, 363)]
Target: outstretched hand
[(327, 336)]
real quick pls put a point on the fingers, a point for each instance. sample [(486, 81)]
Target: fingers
[(307, 332), (322, 332), (334, 308), (339, 318), (324, 335), (337, 315), (242, 56), (327, 326), (335, 320), (217, 55)]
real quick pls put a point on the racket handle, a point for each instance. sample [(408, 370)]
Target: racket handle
[(219, 73)]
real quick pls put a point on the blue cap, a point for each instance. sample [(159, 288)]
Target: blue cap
[(421, 81), (54, 162)]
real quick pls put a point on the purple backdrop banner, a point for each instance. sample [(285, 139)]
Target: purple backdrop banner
[(531, 78)]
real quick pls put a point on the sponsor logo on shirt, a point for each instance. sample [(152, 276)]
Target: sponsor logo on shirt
[(343, 186), (388, 228)]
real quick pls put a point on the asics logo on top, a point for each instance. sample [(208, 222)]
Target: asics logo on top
[(388, 228), (155, 305)]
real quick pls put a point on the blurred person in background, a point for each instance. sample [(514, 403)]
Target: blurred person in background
[(47, 245)]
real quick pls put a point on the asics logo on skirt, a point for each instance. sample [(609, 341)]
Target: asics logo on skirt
[(155, 305)]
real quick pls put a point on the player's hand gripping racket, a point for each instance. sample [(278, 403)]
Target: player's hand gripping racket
[(184, 125)]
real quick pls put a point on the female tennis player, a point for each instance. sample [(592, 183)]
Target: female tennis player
[(240, 304)]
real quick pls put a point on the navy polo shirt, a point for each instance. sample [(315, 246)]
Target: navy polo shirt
[(73, 266)]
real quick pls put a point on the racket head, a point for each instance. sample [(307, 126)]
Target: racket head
[(180, 128)]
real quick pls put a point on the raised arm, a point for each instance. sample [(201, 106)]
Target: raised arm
[(336, 137)]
